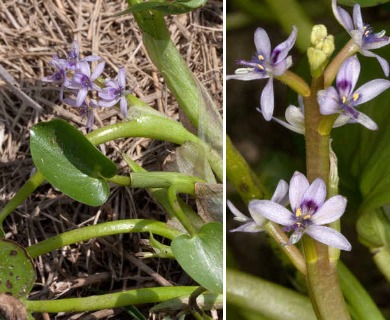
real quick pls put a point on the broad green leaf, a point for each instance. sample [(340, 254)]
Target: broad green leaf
[(70, 162), (17, 273), (172, 7), (363, 3), (202, 256)]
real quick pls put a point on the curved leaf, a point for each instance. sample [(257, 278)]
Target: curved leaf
[(202, 256), (17, 273), (70, 162)]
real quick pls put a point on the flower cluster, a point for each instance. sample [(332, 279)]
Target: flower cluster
[(309, 212), (88, 89)]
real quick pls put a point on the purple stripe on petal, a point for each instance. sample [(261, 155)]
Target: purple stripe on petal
[(347, 76), (281, 51), (315, 195)]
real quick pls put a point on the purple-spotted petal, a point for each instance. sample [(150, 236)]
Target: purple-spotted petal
[(384, 64), (366, 121), (267, 100), (371, 89), (315, 193), (247, 76), (298, 186), (270, 210), (330, 211), (281, 51), (357, 17), (281, 193), (342, 16), (329, 101), (262, 43), (329, 237), (347, 76)]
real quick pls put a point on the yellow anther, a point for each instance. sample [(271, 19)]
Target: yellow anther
[(260, 57), (343, 99), (306, 217), (355, 96), (298, 213), (260, 67)]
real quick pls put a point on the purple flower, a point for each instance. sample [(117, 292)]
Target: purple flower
[(310, 212), (279, 196), (59, 77), (115, 92), (266, 64), (73, 61), (83, 80), (345, 99), (362, 34), (86, 110)]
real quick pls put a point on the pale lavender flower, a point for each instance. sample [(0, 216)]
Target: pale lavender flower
[(83, 80), (86, 110), (310, 212), (344, 99), (362, 33), (115, 92), (280, 196), (73, 60), (266, 64)]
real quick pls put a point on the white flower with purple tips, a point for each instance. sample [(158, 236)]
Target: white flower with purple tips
[(250, 225), (115, 92), (310, 212), (344, 99), (266, 64), (362, 33)]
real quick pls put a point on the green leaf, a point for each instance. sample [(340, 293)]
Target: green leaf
[(202, 256), (70, 162), (17, 273), (173, 7), (363, 3)]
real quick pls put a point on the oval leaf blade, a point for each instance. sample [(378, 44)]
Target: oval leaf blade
[(70, 162), (202, 256), (17, 273)]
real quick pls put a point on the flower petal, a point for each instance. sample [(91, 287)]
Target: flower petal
[(239, 216), (108, 103), (329, 237), (281, 67), (250, 75), (341, 120), (330, 211), (281, 51), (295, 116), (123, 106), (262, 43), (384, 64), (298, 186), (300, 130), (357, 17), (342, 16), (270, 210), (315, 193), (122, 77), (267, 100), (366, 121), (347, 76), (281, 193), (98, 70), (82, 94), (371, 89), (329, 101), (296, 236), (251, 227)]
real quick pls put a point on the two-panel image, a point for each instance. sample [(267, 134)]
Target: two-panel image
[(194, 159)]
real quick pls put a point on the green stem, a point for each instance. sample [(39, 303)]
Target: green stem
[(295, 82), (331, 70), (29, 187), (108, 301), (101, 230), (323, 284)]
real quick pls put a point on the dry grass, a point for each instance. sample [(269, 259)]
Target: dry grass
[(31, 31)]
